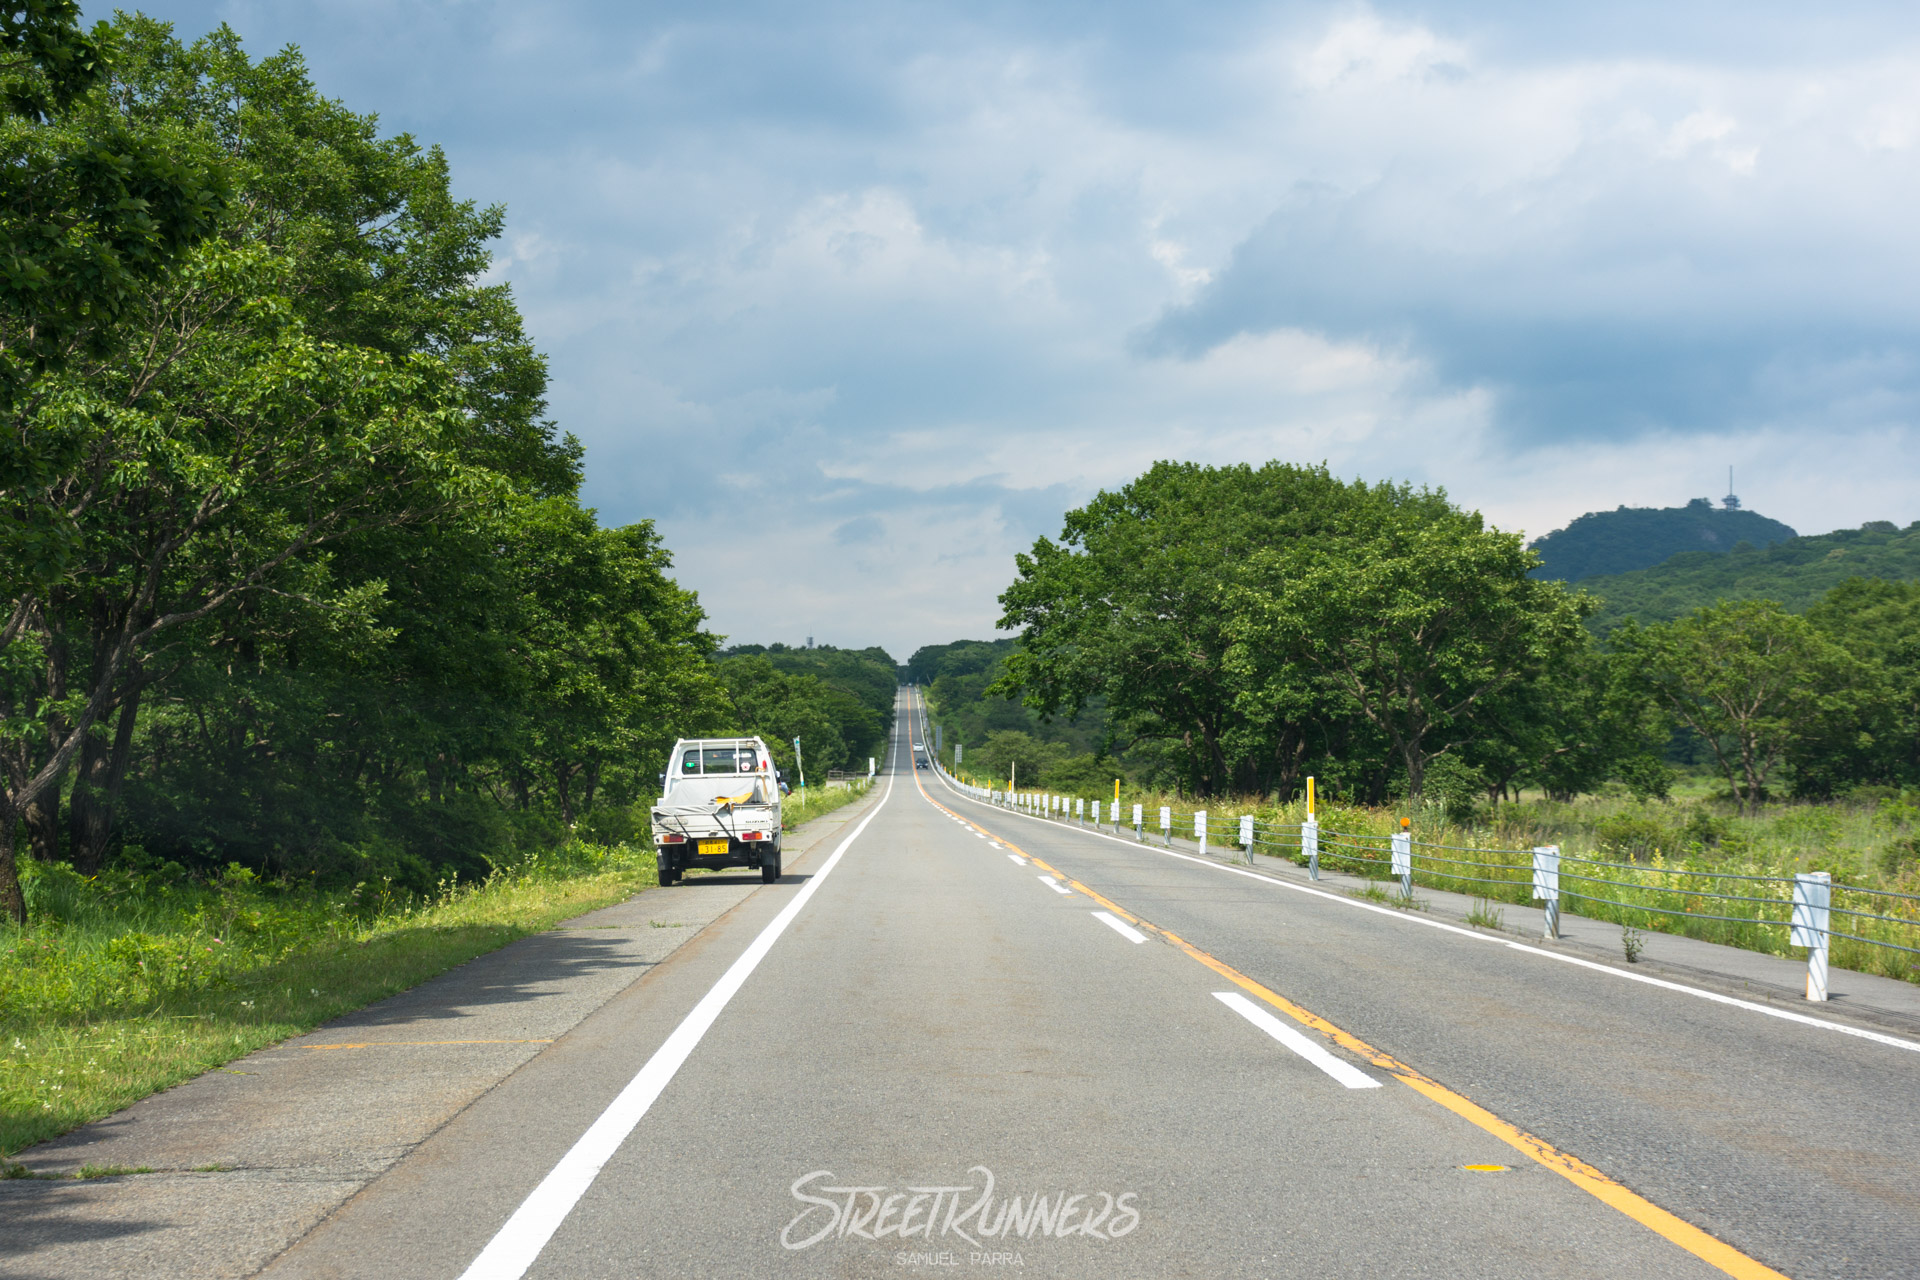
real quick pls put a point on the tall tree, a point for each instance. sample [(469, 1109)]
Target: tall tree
[(1135, 602), (325, 364), (1748, 678), (1416, 612)]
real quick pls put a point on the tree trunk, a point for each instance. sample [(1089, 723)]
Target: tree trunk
[(563, 782), (42, 819), (96, 788), (12, 901)]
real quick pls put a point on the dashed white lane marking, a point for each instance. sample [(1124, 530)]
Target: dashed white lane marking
[(1119, 926), (1054, 885), (1345, 1072), (1016, 859)]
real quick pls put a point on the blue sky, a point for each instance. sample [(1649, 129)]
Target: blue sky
[(894, 285)]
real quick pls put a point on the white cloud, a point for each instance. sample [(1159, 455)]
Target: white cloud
[(890, 278)]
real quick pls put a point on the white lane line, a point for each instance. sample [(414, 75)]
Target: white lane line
[(1406, 918), (1016, 858), (517, 1244), (1119, 926), (1054, 885), (1345, 1072)]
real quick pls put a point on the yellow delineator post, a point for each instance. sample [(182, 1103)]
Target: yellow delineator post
[(1310, 798)]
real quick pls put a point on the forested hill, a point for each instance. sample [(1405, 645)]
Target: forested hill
[(1629, 538), (1795, 573)]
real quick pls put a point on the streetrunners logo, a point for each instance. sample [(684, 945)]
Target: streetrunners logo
[(969, 1212)]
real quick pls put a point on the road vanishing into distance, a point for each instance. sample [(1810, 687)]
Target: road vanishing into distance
[(962, 1040)]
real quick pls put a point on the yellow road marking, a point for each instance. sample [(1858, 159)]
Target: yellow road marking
[(1669, 1226), (383, 1044)]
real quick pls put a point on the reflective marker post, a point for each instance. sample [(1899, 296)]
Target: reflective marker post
[(1403, 859), (1200, 830), (1246, 835), (1812, 902), (1137, 824), (1166, 824), (1546, 885)]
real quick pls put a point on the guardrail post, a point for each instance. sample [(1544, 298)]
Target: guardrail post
[(1080, 811), (1246, 835), (1546, 885), (1812, 904), (1200, 830), (1166, 824), (1403, 860), (1137, 824), (1310, 845)]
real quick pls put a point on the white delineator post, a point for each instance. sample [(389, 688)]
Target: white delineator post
[(1166, 824), (1200, 830), (1546, 885), (1812, 904), (1137, 823), (1403, 861), (1246, 835)]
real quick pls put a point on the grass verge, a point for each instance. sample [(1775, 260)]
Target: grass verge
[(125, 986)]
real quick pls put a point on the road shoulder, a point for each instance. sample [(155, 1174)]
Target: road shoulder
[(248, 1158)]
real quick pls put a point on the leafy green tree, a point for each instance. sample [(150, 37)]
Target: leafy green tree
[(288, 454), (94, 205), (1585, 720), (1135, 603), (781, 707), (1748, 678), (1878, 623), (1416, 613)]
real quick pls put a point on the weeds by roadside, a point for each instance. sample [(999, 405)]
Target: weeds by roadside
[(1632, 943), (1484, 914)]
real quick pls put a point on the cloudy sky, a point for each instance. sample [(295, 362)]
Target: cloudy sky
[(855, 299)]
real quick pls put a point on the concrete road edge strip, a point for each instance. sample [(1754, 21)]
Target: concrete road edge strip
[(518, 1243)]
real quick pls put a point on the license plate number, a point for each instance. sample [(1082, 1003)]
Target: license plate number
[(713, 848)]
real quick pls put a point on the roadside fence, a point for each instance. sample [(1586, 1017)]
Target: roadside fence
[(1836, 923)]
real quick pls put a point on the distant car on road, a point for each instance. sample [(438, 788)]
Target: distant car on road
[(720, 807)]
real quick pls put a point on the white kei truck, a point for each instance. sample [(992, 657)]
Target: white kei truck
[(719, 807)]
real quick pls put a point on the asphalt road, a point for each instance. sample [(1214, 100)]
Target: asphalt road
[(949, 1016)]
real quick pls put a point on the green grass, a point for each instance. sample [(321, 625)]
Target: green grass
[(123, 985)]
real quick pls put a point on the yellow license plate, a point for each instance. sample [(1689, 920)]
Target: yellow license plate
[(713, 848)]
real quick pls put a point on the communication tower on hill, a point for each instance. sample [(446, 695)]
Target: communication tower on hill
[(1732, 501)]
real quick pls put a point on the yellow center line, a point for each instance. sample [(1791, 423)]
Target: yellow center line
[(385, 1044), (1583, 1175)]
